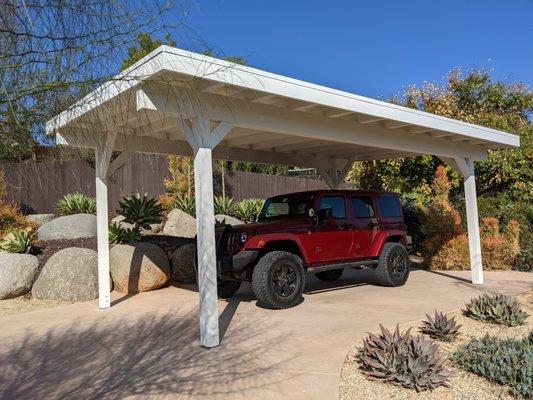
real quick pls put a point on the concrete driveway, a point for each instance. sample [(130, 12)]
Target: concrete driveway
[(146, 345)]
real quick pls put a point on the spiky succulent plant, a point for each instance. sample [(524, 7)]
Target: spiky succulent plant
[(119, 234), (403, 359), (440, 327), (187, 204), (141, 211), (76, 203), (496, 309), (248, 210), (224, 205), (18, 241)]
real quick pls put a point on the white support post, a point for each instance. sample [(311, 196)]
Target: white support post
[(202, 140), (102, 156), (207, 262), (465, 166)]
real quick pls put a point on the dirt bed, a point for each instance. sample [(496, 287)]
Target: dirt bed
[(463, 385), (25, 304)]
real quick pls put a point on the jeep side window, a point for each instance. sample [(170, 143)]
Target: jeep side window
[(335, 203), (362, 207), (389, 207)]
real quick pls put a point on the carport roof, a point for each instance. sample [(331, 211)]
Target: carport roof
[(268, 92)]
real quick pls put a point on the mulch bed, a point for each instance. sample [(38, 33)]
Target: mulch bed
[(44, 249)]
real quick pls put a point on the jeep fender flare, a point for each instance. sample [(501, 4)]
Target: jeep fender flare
[(387, 236), (259, 242)]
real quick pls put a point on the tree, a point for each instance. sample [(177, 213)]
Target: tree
[(53, 52), (145, 45)]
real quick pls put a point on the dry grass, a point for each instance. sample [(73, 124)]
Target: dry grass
[(25, 304), (463, 385)]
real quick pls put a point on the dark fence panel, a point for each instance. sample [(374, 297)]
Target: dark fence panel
[(38, 186)]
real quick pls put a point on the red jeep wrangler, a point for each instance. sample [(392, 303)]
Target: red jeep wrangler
[(319, 232)]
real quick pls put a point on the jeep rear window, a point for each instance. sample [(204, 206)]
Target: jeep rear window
[(389, 206), (286, 206)]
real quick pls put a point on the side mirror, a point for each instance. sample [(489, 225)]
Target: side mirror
[(312, 215)]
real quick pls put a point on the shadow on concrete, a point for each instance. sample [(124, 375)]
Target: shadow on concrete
[(447, 275), (152, 355)]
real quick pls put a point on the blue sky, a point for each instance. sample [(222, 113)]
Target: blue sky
[(372, 48)]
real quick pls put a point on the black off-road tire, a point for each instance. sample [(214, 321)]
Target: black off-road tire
[(268, 280), (226, 289), (388, 272), (331, 275)]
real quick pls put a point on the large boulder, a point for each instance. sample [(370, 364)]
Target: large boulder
[(40, 219), (74, 226), (154, 228), (181, 224), (17, 273), (182, 264), (70, 274), (139, 267), (227, 220)]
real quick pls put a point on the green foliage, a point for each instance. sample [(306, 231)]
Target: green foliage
[(186, 204), (406, 360), (224, 205), (413, 215), (118, 234), (496, 309), (141, 211), (248, 210), (18, 241), (76, 203), (16, 140), (507, 362), (440, 327), (145, 45)]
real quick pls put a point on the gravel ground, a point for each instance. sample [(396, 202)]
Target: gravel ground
[(24, 304), (463, 385)]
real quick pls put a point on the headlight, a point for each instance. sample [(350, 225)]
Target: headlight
[(244, 237)]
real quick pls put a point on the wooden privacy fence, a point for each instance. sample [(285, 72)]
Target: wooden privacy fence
[(38, 186)]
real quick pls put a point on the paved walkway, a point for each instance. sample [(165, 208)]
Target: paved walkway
[(146, 345)]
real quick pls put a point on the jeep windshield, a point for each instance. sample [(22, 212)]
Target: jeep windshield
[(287, 206)]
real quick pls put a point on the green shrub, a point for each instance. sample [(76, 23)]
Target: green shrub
[(186, 204), (248, 210), (413, 216), (141, 211), (18, 241), (224, 205), (507, 362), (440, 327), (76, 203), (405, 360), (496, 309), (118, 234)]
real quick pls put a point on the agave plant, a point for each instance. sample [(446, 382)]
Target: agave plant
[(18, 241), (403, 359), (118, 234), (440, 327), (224, 205), (186, 204), (249, 209), (76, 203), (497, 309), (141, 211)]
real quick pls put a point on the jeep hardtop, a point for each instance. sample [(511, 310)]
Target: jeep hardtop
[(318, 232)]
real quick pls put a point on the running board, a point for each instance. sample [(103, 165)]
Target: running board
[(358, 264)]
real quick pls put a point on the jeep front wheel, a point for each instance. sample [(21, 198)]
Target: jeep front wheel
[(393, 266), (278, 280)]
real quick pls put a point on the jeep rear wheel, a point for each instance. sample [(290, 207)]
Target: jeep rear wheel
[(227, 288), (278, 280), (394, 264), (331, 275)]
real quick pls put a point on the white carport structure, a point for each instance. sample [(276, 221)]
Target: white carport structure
[(182, 103)]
